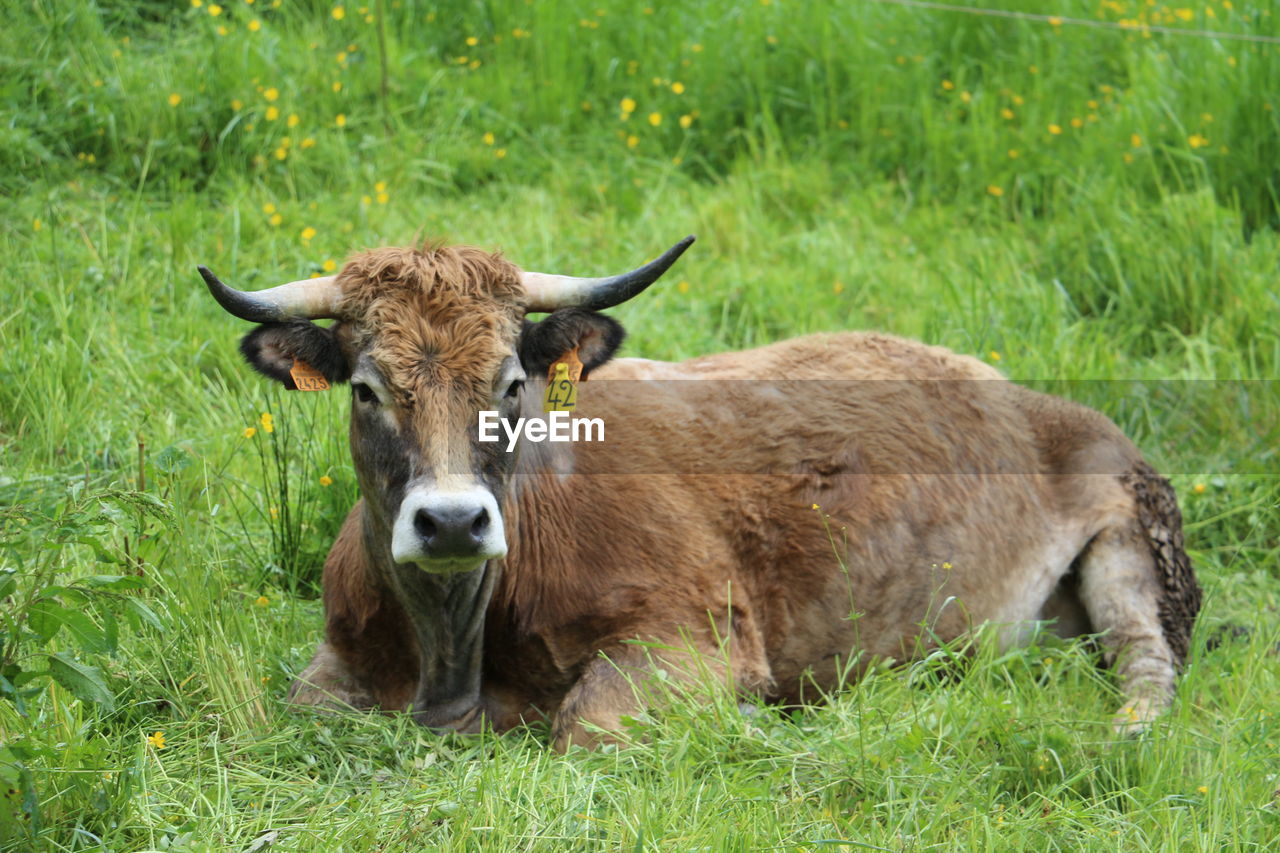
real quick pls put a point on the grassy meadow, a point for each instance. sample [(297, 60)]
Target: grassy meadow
[(1093, 209)]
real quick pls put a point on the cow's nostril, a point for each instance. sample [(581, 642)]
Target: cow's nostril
[(424, 524), (481, 523)]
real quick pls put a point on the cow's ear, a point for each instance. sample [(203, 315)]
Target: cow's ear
[(272, 348), (595, 336)]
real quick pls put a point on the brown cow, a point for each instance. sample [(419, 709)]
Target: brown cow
[(778, 533)]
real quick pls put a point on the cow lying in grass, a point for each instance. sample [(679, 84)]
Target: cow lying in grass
[(904, 485)]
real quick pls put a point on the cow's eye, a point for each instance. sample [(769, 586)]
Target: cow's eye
[(513, 389), (363, 393)]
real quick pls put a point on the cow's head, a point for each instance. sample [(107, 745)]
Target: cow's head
[(428, 338)]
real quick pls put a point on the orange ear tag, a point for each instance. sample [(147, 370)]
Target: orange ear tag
[(307, 378), (562, 383)]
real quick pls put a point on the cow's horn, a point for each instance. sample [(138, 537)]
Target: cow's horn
[(311, 299), (549, 292)]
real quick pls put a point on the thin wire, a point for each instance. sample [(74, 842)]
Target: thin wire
[(1059, 20)]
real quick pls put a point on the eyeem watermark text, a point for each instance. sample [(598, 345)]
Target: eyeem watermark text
[(558, 426)]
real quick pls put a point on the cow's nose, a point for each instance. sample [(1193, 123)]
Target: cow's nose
[(448, 531), (452, 530)]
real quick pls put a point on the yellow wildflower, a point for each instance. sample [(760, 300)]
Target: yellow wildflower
[(262, 600), (1196, 140), (682, 286), (993, 355), (948, 85), (281, 153), (1184, 14), (338, 13), (249, 432), (337, 85), (1203, 789), (237, 104), (488, 138), (156, 740), (1077, 122), (273, 113), (276, 219), (1055, 129), (995, 191), (329, 265), (1135, 140), (307, 234), (326, 481), (215, 10), (633, 141), (271, 94), (946, 565), (293, 120), (254, 25), (1006, 113), (677, 87), (685, 121), (383, 198), (500, 153), (655, 119), (628, 105), (472, 41), (1198, 488), (275, 513), (36, 224), (309, 142), (268, 422), (341, 120), (174, 99)]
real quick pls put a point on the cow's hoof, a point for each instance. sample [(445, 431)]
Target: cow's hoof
[(1136, 717)]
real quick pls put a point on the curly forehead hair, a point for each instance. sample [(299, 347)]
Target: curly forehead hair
[(441, 309), (449, 274)]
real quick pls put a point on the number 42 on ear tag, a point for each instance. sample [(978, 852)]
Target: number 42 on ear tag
[(562, 383), (307, 378)]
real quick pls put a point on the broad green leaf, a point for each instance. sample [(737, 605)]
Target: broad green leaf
[(85, 682), (46, 617), (88, 634), (171, 459), (7, 582), (139, 613), (113, 582)]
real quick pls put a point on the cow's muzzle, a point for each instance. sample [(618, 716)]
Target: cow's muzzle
[(448, 531)]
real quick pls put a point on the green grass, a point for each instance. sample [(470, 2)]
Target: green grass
[(844, 168)]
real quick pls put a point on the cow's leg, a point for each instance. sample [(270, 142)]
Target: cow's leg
[(327, 683), (370, 656), (1121, 592), (627, 678)]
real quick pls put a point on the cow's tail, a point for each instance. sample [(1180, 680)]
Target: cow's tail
[(1161, 521)]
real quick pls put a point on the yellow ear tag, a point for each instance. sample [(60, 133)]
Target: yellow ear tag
[(562, 383), (307, 378)]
